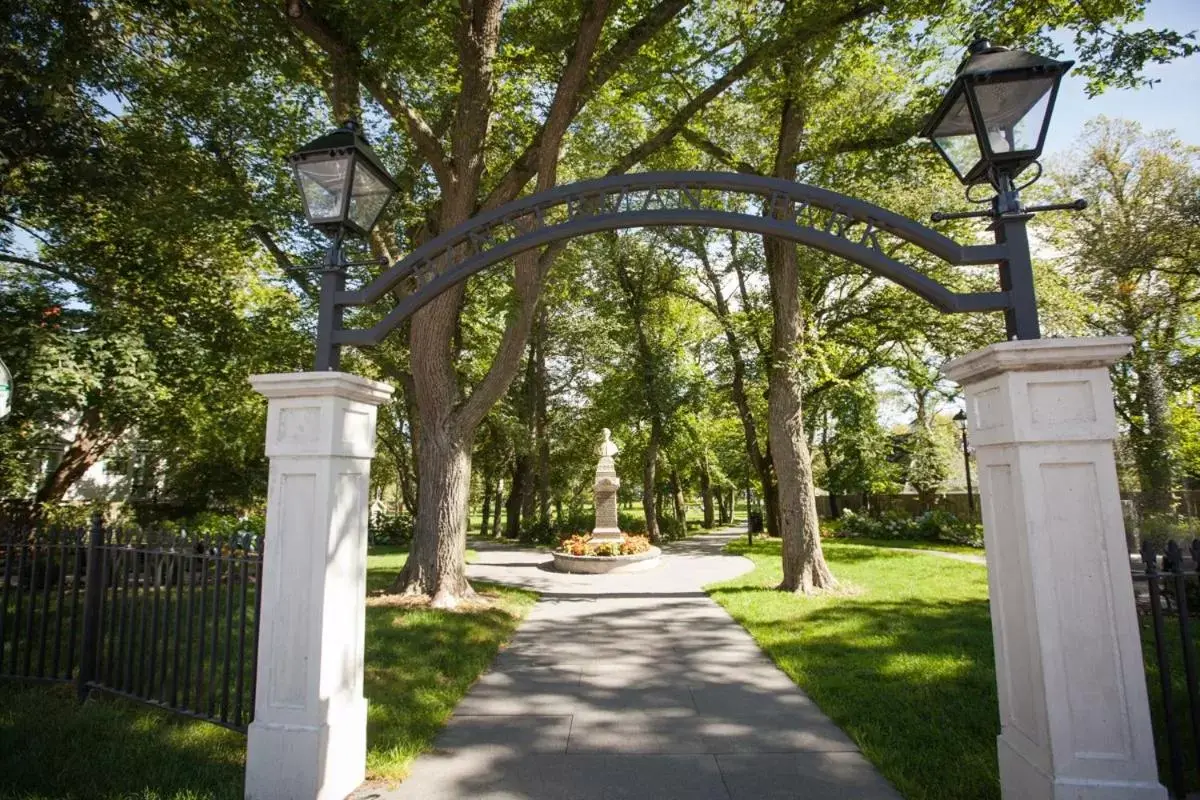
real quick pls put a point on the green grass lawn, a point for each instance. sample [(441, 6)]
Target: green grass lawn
[(419, 664), (902, 661), (910, 544)]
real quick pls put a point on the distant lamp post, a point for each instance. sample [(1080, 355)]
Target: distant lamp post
[(345, 188), (990, 127), (961, 419), (6, 390)]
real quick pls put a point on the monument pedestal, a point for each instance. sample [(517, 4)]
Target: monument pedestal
[(309, 735), (1074, 718), (607, 483)]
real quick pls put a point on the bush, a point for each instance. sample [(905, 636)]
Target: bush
[(540, 532), (670, 529), (243, 532), (934, 526), (1158, 529), (631, 522), (69, 515), (579, 522), (387, 528)]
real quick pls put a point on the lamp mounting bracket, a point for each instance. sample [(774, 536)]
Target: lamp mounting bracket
[(942, 216)]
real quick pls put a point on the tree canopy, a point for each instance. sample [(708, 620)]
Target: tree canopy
[(154, 254)]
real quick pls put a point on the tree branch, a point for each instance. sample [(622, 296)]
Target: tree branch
[(282, 260), (719, 153), (741, 69), (897, 131), (698, 300), (605, 66), (319, 30), (58, 272), (531, 267)]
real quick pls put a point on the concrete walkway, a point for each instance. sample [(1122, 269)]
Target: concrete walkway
[(635, 686)]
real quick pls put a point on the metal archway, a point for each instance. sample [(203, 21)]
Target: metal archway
[(832, 222)]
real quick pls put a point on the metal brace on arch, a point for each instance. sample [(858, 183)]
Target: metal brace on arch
[(796, 212)]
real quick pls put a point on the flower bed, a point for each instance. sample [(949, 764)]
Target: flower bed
[(580, 554), (583, 545)]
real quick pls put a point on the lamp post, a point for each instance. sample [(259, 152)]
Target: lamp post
[(345, 188), (990, 128), (1074, 716), (961, 419)]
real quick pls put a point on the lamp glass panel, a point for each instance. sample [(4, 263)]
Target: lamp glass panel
[(1014, 113), (955, 137), (368, 196), (962, 151), (323, 184)]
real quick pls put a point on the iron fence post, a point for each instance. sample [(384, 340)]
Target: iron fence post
[(91, 608), (1175, 751)]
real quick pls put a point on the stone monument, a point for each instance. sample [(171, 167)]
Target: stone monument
[(606, 486)]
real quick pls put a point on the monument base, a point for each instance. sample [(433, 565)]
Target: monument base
[(605, 535), (602, 565)]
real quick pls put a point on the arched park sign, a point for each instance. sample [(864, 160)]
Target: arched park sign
[(1074, 719)]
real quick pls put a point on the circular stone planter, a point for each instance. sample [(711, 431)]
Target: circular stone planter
[(599, 565)]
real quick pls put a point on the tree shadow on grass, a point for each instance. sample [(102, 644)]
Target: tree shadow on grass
[(51, 747), (419, 664), (905, 667)]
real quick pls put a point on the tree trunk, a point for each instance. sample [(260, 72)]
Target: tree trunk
[(89, 445), (436, 565), (649, 496), (759, 459), (804, 567), (541, 420), (677, 499), (528, 496), (722, 507), (496, 506), (770, 503), (1152, 443), (516, 493), (410, 477), (706, 494), (485, 516)]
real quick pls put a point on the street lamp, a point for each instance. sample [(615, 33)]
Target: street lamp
[(961, 419), (992, 123), (990, 127), (345, 188)]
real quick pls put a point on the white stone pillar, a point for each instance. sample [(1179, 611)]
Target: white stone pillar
[(1074, 718), (309, 735)]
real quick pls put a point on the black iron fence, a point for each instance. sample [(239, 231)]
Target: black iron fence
[(168, 619), (1167, 588)]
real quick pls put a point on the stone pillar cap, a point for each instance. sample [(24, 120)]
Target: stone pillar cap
[(322, 384), (1030, 355)]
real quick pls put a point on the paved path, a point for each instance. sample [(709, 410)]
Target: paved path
[(637, 687)]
